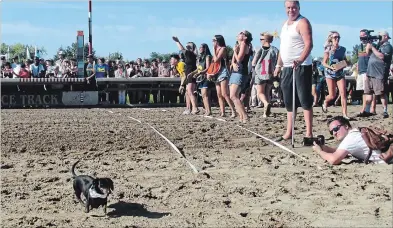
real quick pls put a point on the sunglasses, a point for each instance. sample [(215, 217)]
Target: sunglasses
[(214, 40), (261, 39), (335, 129), (336, 37)]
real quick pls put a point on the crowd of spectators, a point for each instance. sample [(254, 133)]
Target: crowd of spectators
[(104, 68)]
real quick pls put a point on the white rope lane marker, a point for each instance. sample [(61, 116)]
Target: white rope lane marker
[(277, 144), (267, 139), (170, 143), (175, 148), (194, 169), (263, 137), (134, 119)]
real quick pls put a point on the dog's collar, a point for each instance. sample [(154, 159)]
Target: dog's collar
[(94, 194)]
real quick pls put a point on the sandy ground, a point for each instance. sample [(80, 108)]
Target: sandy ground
[(243, 180)]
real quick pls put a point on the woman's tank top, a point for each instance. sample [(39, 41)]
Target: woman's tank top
[(335, 57)]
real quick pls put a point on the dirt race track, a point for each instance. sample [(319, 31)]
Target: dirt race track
[(243, 180)]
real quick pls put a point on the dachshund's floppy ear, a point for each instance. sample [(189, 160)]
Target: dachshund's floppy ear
[(110, 184)]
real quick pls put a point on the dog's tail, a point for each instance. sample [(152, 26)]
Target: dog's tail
[(73, 168)]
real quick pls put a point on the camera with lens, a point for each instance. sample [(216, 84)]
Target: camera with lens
[(370, 38), (320, 140)]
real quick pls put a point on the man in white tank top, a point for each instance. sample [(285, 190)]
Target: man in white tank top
[(295, 48)]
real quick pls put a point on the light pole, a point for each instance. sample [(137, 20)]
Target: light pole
[(90, 31)]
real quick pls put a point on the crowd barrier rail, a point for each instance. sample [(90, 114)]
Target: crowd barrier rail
[(70, 92), (101, 81)]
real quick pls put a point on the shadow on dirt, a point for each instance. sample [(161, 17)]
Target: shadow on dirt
[(122, 208)]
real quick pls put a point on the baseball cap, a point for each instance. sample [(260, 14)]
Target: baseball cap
[(384, 33)]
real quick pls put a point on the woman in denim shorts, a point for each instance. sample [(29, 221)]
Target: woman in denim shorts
[(222, 77), (204, 60), (239, 76), (334, 54)]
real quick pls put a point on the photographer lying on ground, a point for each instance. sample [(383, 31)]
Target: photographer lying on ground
[(352, 142)]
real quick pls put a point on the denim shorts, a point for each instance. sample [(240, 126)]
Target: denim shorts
[(206, 84), (222, 75), (336, 78), (238, 78)]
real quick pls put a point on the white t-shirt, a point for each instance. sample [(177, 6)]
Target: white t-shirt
[(357, 147)]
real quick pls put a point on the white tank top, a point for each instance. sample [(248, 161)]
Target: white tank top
[(292, 45)]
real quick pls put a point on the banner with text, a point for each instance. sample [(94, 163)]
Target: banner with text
[(49, 99)]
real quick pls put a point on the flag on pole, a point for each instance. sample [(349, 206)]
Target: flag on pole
[(27, 53), (36, 52)]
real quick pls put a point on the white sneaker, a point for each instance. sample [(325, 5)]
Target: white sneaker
[(186, 112)]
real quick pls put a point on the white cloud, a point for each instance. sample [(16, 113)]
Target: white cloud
[(24, 28), (54, 5)]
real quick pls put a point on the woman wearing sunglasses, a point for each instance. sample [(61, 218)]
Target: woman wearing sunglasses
[(335, 76)]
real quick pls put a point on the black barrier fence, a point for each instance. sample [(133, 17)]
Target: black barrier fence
[(74, 92), (47, 99), (71, 92)]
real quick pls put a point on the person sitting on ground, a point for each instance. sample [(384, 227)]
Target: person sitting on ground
[(351, 142)]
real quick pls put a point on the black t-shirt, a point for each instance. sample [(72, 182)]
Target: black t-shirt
[(190, 60)]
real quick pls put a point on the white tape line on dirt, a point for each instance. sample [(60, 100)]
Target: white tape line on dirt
[(170, 143), (276, 144), (269, 140), (175, 148), (135, 119)]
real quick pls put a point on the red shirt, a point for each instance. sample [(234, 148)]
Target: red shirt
[(24, 73)]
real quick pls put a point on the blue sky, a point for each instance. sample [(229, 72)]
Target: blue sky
[(138, 28)]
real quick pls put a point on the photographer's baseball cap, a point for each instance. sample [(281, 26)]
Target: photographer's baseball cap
[(384, 33)]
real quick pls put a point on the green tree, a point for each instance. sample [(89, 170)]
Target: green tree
[(70, 51), (19, 50), (155, 55), (355, 56), (115, 56)]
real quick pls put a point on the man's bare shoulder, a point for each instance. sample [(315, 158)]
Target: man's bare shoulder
[(304, 22), (304, 26)]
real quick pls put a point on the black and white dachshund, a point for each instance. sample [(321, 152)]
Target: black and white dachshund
[(95, 190)]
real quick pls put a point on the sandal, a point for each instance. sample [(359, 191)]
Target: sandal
[(324, 108), (279, 139), (195, 112), (267, 111), (246, 120)]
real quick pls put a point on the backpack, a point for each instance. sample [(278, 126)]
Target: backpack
[(378, 139)]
